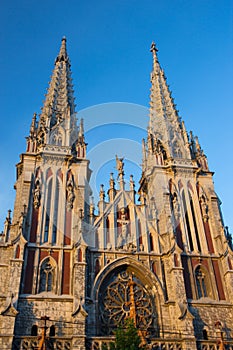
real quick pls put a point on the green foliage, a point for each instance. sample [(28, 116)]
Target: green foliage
[(127, 337)]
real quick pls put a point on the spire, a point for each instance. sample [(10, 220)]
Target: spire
[(165, 124), (59, 107), (62, 56)]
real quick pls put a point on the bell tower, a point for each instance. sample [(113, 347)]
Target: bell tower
[(177, 183), (52, 197)]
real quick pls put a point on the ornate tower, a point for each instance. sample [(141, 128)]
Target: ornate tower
[(45, 276), (195, 249)]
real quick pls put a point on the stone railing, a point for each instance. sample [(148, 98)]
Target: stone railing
[(32, 343), (102, 343), (212, 345)]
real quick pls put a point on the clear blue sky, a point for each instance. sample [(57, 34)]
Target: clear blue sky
[(108, 43)]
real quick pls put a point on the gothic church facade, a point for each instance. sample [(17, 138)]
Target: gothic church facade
[(70, 274)]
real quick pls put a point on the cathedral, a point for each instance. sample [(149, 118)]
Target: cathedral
[(71, 272)]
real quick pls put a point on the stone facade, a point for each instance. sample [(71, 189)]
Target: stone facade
[(69, 277)]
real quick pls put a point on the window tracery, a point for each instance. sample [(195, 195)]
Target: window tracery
[(202, 283), (126, 297), (47, 276)]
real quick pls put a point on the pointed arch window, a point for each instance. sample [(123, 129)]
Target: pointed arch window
[(80, 255), (202, 282), (151, 242), (53, 205), (34, 330), (205, 334), (47, 276), (194, 222), (97, 267), (187, 222), (55, 214), (107, 231), (17, 252), (48, 210), (52, 331)]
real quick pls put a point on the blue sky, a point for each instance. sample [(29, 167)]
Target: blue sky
[(108, 43)]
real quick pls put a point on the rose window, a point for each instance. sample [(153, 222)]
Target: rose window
[(125, 297)]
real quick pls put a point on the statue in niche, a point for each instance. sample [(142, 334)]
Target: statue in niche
[(70, 193), (204, 208), (176, 206), (154, 211), (37, 195), (21, 222), (123, 237)]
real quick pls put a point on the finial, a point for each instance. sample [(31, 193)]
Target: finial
[(154, 51), (102, 193), (131, 182), (111, 181), (81, 128), (153, 47), (33, 125), (9, 214), (197, 144)]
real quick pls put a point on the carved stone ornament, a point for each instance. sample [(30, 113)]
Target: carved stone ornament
[(10, 310)]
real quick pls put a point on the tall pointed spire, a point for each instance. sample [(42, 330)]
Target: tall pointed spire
[(59, 107), (165, 124), (62, 56)]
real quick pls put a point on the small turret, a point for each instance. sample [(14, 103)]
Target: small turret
[(31, 139), (101, 203), (112, 190), (80, 145)]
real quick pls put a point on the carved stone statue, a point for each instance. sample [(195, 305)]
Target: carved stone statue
[(70, 194), (176, 207), (204, 208), (120, 165), (21, 222), (37, 195)]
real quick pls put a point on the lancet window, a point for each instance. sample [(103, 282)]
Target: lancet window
[(187, 222), (194, 222), (52, 207), (48, 210), (34, 330), (55, 214), (47, 281), (52, 331)]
